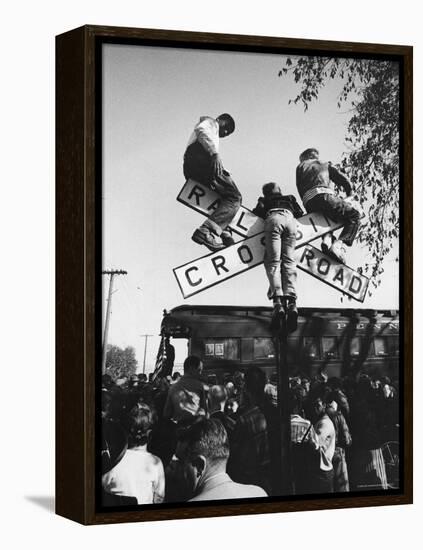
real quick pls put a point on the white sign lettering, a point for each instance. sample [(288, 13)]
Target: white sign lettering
[(216, 267), (203, 200)]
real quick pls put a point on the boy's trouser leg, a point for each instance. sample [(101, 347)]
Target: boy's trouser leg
[(289, 265), (198, 165), (230, 200), (272, 256), (340, 211)]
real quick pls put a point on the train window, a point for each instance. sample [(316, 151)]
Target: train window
[(394, 345), (222, 349), (330, 347), (381, 346), (219, 350), (311, 346), (263, 348), (355, 346), (209, 351)]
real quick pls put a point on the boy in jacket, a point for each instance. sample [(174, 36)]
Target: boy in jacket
[(280, 227), (316, 182)]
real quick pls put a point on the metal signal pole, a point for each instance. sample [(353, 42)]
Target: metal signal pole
[(112, 273), (146, 336), (286, 481)]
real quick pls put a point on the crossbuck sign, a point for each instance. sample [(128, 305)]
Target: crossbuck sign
[(216, 267)]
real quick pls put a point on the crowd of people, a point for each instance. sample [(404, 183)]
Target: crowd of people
[(177, 438)]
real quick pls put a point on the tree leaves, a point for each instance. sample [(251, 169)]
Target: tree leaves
[(372, 162), (120, 362)]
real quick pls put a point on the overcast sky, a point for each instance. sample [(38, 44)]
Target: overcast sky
[(152, 98)]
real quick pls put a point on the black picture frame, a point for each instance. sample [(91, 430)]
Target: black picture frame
[(78, 268)]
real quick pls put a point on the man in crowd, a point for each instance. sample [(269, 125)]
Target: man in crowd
[(250, 451), (316, 182), (202, 163), (203, 449), (302, 445), (138, 473), (343, 440), (217, 402), (322, 472), (187, 397)]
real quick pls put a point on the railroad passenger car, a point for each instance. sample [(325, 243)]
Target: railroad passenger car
[(335, 341)]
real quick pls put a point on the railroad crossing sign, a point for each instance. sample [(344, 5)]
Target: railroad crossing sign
[(216, 267)]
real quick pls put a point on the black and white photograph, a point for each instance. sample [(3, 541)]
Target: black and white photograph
[(251, 310)]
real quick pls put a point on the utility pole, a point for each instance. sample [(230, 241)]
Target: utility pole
[(112, 273), (146, 336)]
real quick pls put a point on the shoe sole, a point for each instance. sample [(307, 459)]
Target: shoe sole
[(227, 243), (213, 248)]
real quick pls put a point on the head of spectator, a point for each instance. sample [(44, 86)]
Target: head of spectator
[(176, 376), (318, 409), (239, 381), (331, 406), (295, 381), (231, 407), (106, 403), (388, 391), (305, 383), (255, 381), (162, 384), (230, 388), (193, 366), (106, 381), (271, 394), (376, 384), (142, 378), (217, 398), (139, 425), (122, 381), (335, 383), (203, 450), (133, 381), (301, 392), (114, 445)]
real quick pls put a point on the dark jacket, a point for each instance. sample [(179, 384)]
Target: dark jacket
[(277, 201), (314, 173)]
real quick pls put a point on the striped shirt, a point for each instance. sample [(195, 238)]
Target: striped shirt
[(299, 427)]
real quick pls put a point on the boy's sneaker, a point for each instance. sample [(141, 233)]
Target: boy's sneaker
[(337, 251), (227, 238), (278, 317), (291, 315), (209, 239), (327, 241)]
